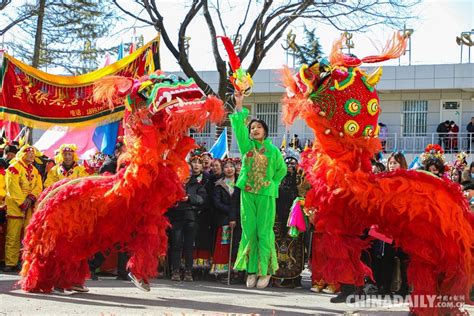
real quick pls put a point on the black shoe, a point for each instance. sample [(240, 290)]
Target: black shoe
[(238, 278), (348, 298), (122, 277), (10, 269), (94, 276), (342, 298)]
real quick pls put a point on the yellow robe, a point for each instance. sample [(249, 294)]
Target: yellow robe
[(3, 188), (58, 173), (21, 181)]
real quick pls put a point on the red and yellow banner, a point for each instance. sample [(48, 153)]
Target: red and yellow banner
[(37, 99)]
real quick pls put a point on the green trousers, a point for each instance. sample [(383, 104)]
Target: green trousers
[(257, 253)]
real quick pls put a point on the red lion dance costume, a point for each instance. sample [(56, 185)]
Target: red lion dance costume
[(428, 217), (75, 219)]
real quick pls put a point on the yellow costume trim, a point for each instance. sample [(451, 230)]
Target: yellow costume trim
[(307, 82), (86, 79), (35, 123), (348, 81)]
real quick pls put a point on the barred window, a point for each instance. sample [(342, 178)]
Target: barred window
[(205, 137), (268, 112), (415, 117), (204, 132)]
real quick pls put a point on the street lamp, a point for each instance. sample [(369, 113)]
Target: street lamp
[(466, 39), (407, 34), (187, 39), (291, 48), (348, 43), (237, 40)]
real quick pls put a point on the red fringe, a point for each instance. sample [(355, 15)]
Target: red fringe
[(127, 209), (427, 217)]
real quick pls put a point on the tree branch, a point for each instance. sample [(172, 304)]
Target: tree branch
[(219, 16), (248, 42), (253, 34), (197, 5), (131, 14), (15, 22), (160, 27), (292, 15), (245, 19), (182, 58), (220, 64), (4, 3)]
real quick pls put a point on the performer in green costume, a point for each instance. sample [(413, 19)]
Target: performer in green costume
[(263, 168)]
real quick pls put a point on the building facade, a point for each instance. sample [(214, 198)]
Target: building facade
[(414, 101)]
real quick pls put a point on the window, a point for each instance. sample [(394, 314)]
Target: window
[(205, 131), (205, 137), (268, 112), (414, 119)]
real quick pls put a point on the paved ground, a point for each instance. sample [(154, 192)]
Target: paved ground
[(109, 297)]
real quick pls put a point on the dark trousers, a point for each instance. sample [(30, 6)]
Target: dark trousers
[(183, 234), (236, 240), (383, 266), (122, 264), (99, 259), (96, 261)]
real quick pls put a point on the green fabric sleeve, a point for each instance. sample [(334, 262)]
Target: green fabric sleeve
[(237, 121)]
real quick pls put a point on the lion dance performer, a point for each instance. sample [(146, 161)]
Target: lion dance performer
[(66, 166), (76, 218), (23, 186), (426, 216)]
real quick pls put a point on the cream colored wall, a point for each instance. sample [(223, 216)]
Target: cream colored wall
[(391, 104)]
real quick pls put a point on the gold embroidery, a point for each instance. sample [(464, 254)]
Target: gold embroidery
[(40, 97), (257, 171), (18, 91)]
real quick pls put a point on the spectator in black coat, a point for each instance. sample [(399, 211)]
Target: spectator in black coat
[(443, 131), (9, 152), (183, 220), (470, 130), (110, 163)]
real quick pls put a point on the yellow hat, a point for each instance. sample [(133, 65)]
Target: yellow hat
[(66, 148)]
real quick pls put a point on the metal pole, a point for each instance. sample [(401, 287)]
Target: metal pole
[(230, 254), (396, 142), (409, 52)]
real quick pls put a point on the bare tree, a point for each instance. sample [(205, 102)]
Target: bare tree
[(52, 33), (4, 3), (271, 19), (20, 15)]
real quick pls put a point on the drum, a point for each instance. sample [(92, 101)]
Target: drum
[(290, 254)]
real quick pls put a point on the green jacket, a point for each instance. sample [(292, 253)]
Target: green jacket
[(263, 166)]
